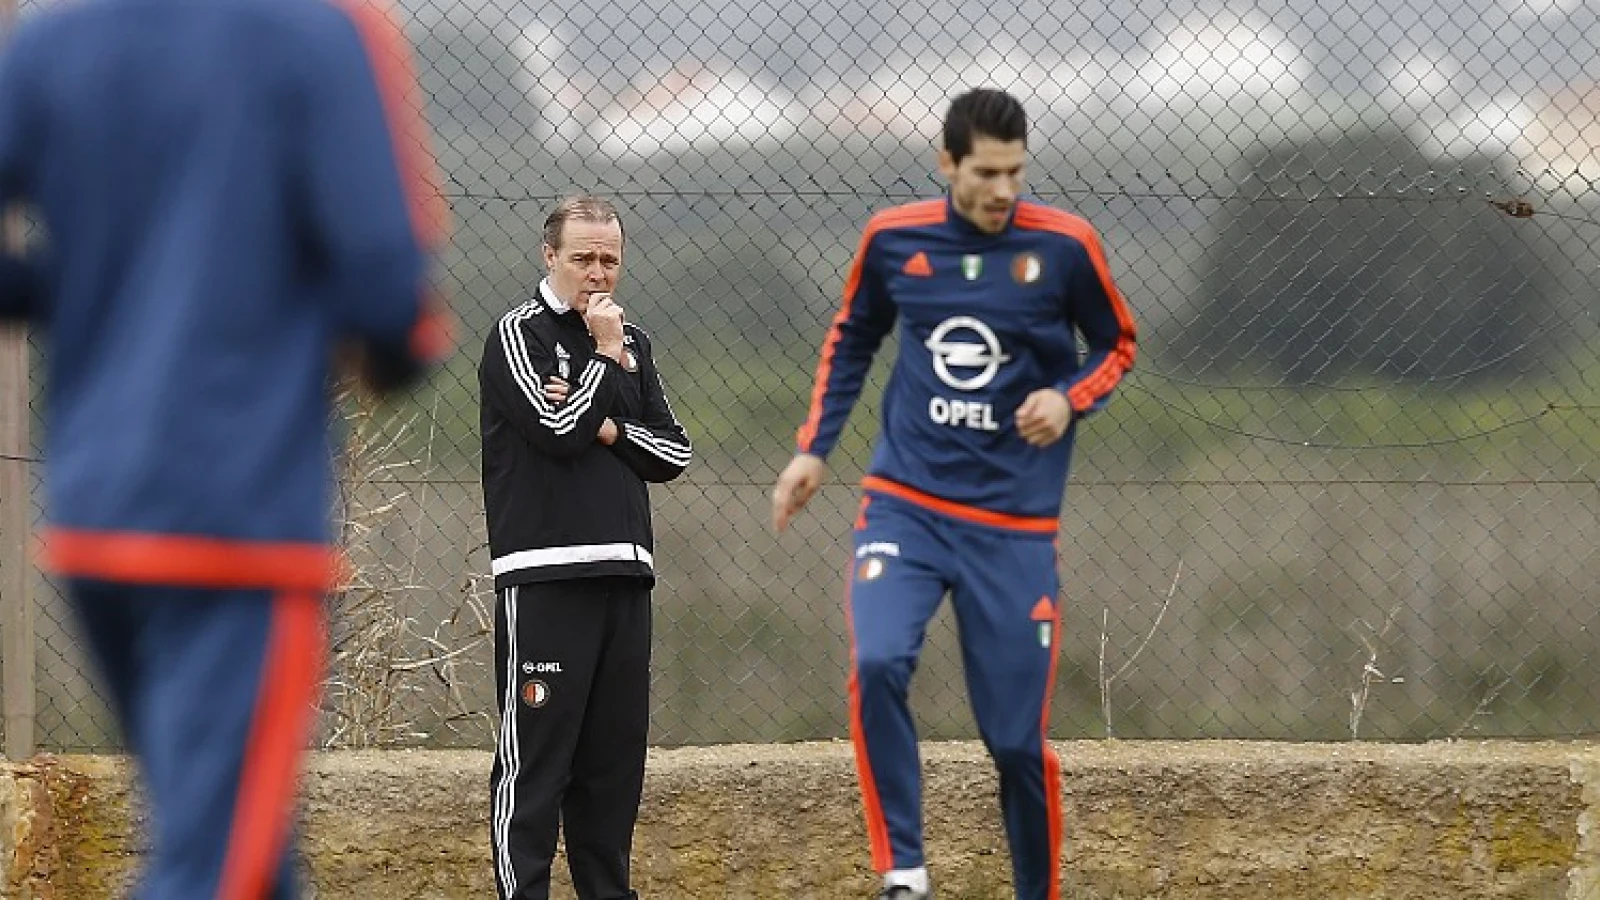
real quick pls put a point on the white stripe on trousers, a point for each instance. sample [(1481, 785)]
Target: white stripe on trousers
[(509, 753)]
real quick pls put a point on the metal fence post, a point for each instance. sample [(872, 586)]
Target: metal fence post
[(16, 597), (17, 673)]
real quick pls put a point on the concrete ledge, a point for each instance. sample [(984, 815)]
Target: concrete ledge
[(1144, 820)]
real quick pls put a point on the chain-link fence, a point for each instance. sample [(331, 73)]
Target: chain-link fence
[(1349, 491)]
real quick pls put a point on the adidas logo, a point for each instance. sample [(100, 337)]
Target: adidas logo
[(918, 265), (1043, 611)]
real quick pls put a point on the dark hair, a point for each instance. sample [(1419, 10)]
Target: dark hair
[(584, 208), (986, 112)]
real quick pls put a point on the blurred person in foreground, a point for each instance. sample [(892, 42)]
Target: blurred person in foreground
[(575, 424), (231, 194), (963, 495)]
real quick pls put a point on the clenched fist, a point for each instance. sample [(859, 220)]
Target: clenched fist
[(604, 319), (1043, 417)]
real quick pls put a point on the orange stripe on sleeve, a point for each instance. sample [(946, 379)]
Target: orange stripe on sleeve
[(292, 672), (1094, 384), (1103, 378), (391, 58), (1045, 218), (922, 212), (819, 387)]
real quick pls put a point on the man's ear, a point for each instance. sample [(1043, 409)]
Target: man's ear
[(947, 164)]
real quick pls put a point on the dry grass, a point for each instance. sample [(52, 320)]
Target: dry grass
[(1370, 673), (387, 666), (1108, 679)]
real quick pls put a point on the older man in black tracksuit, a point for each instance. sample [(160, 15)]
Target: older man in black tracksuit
[(575, 423)]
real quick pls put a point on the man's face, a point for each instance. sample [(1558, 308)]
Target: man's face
[(984, 186), (589, 261)]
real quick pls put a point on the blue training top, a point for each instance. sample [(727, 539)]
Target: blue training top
[(986, 320), (229, 190)]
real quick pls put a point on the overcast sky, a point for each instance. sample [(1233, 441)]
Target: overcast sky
[(640, 76), (1459, 75), (1499, 44)]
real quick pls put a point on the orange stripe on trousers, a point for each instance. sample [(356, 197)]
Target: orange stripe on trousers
[(290, 679), (871, 806), (1052, 764)]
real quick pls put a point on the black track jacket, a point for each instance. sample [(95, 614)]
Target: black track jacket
[(560, 504)]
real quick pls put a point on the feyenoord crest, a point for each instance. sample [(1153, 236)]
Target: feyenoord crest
[(871, 568), (1026, 268), (535, 693), (972, 266)]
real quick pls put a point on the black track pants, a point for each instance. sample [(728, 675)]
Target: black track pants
[(572, 679)]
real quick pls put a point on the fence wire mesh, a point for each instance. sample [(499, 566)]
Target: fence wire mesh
[(1349, 492)]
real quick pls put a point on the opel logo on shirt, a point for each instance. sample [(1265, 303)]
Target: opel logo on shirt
[(965, 343)]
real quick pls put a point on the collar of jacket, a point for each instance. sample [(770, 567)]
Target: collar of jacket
[(557, 305)]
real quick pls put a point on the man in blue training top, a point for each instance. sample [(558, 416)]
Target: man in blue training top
[(234, 193), (963, 494)]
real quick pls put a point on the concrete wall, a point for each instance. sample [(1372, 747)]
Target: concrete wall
[(1143, 820)]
